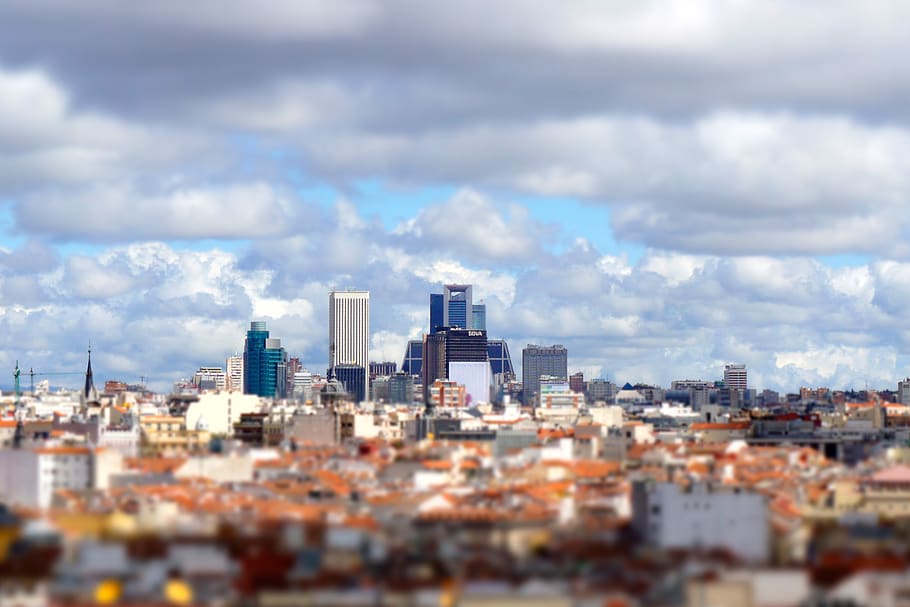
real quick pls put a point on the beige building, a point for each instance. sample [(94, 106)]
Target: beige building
[(163, 435)]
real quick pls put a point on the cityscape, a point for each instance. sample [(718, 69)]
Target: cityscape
[(466, 304), (448, 478)]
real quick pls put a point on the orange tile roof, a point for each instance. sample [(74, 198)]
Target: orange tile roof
[(720, 426)]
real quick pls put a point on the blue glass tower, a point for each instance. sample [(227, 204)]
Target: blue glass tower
[(264, 363), (437, 315)]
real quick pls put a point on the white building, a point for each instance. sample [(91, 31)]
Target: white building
[(29, 477), (702, 517), (476, 378), (349, 329), (210, 378), (218, 413), (735, 376), (234, 366), (303, 385)]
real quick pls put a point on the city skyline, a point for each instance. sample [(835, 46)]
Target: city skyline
[(657, 188)]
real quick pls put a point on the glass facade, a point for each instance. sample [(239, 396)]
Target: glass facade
[(354, 380), (264, 363), (413, 358), (500, 359), (437, 315)]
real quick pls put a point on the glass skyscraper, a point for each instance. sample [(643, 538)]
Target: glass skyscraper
[(264, 363)]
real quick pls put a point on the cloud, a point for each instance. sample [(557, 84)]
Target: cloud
[(475, 228), (238, 211)]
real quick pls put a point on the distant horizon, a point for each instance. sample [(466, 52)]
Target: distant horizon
[(657, 187)]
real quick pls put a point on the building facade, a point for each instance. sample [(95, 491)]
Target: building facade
[(354, 380), (458, 310), (264, 363), (735, 376), (234, 367), (349, 329), (541, 360)]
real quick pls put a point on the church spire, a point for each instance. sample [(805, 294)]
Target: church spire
[(89, 393)]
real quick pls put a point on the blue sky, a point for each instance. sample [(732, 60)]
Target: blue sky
[(644, 184)]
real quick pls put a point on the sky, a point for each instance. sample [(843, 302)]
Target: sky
[(662, 187)]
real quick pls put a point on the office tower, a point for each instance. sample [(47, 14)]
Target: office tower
[(437, 316), (433, 363), (577, 382), (412, 364), (234, 366), (450, 345), (500, 359), (349, 330), (264, 363), (479, 317), (353, 378), (457, 309), (401, 389), (735, 376), (541, 360)]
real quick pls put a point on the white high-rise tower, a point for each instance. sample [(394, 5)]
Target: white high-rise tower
[(349, 329)]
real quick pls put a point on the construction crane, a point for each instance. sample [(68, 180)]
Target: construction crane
[(32, 374)]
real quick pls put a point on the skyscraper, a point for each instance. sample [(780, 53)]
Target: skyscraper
[(349, 330), (264, 363), (735, 376), (541, 360), (437, 316), (457, 309), (479, 318), (450, 345)]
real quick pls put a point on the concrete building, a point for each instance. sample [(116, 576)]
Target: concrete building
[(30, 477), (903, 391), (702, 517), (210, 378), (349, 330), (447, 393), (217, 413), (735, 376), (541, 360)]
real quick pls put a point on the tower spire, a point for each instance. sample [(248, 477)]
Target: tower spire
[(89, 393)]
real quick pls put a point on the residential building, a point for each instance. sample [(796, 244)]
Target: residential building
[(541, 360), (349, 330), (903, 391), (702, 516), (577, 382), (234, 366), (601, 390), (446, 393), (264, 363), (210, 378), (30, 477), (168, 435)]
